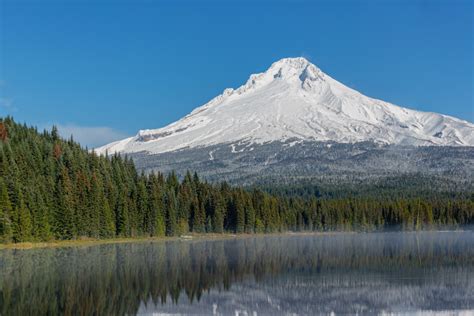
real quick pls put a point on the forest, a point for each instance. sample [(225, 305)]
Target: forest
[(52, 189)]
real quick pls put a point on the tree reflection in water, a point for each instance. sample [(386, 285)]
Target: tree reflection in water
[(301, 274)]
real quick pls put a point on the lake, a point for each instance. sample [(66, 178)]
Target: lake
[(368, 273)]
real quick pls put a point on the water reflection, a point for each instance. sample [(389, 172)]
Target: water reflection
[(369, 273)]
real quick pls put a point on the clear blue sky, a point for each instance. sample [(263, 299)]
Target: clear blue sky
[(105, 69)]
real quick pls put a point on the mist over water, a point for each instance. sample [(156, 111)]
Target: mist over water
[(302, 274)]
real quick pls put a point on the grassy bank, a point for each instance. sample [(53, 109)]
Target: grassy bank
[(92, 241), (85, 242)]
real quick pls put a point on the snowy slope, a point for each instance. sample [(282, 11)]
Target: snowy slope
[(294, 99)]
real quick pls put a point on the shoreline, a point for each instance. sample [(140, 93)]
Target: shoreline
[(87, 242), (190, 237)]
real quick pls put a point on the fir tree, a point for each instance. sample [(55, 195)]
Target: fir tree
[(6, 232), (22, 225)]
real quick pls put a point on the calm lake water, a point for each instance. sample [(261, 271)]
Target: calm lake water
[(305, 275)]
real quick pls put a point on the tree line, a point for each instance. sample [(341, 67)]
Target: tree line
[(52, 188)]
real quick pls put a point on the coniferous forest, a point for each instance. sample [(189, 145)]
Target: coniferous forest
[(51, 188)]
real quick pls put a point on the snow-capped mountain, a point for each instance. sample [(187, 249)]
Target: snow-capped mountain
[(295, 100)]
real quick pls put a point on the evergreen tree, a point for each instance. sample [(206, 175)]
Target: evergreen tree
[(238, 206), (22, 225), (64, 217), (198, 216), (156, 207), (145, 220), (122, 215), (217, 209), (6, 232), (172, 205)]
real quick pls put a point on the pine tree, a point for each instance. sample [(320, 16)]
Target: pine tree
[(249, 216), (198, 216), (155, 194), (41, 217), (6, 232), (107, 224), (64, 218), (145, 220), (218, 205), (171, 212), (55, 133), (22, 226), (101, 216), (240, 213), (184, 199), (122, 215)]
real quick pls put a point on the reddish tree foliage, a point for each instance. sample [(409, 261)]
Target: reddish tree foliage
[(57, 151), (3, 132), (83, 181)]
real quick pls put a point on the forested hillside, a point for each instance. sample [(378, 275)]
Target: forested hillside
[(51, 188)]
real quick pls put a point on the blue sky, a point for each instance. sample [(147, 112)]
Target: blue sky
[(105, 69)]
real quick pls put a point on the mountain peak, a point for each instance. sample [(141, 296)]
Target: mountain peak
[(294, 99), (297, 70), (294, 66), (294, 62)]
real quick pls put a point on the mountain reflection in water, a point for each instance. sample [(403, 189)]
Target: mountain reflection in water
[(302, 274)]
